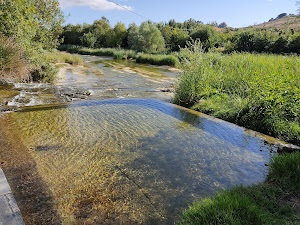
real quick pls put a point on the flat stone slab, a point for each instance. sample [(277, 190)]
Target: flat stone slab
[(4, 186), (9, 211)]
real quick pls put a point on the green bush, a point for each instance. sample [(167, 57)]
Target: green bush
[(157, 59)]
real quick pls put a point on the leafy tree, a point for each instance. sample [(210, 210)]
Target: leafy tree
[(191, 24), (31, 22), (118, 34), (222, 25), (207, 35), (146, 38), (88, 40), (72, 34), (178, 39), (102, 30), (133, 36), (281, 16)]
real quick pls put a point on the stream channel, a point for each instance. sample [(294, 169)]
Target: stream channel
[(106, 146)]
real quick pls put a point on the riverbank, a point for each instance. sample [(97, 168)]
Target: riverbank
[(257, 91), (153, 59), (260, 92), (276, 201), (18, 64)]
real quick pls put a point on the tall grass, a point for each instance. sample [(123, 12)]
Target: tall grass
[(154, 59), (284, 171), (13, 63), (258, 91), (116, 53), (264, 203), (169, 60), (55, 56)]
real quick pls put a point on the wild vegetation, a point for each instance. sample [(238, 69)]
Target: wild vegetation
[(171, 36), (258, 91), (29, 30), (271, 202)]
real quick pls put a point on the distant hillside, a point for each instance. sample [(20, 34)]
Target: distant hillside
[(285, 23)]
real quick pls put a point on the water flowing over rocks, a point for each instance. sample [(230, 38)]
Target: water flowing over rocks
[(18, 95)]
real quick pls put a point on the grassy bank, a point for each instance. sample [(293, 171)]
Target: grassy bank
[(18, 65), (271, 202), (117, 53), (257, 91), (169, 60)]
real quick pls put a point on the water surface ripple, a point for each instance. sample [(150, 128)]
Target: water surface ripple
[(135, 161)]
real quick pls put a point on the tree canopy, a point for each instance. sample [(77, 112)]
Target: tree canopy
[(31, 21)]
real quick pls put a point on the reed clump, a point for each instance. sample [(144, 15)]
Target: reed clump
[(13, 63)]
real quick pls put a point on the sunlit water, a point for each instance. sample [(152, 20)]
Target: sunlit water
[(136, 161)]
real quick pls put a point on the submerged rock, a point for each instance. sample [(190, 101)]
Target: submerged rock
[(287, 148)]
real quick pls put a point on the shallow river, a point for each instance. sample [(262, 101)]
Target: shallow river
[(123, 156)]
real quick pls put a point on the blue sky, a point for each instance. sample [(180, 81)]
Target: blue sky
[(236, 13)]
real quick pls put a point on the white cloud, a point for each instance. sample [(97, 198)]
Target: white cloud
[(94, 4), (270, 0)]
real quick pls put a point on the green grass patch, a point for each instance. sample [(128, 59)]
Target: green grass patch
[(62, 57), (284, 171), (117, 53), (257, 91), (264, 203), (113, 52), (169, 60)]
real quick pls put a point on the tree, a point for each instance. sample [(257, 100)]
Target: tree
[(31, 22), (281, 16), (146, 38), (72, 34), (88, 40), (178, 39), (101, 29), (118, 34), (206, 34), (222, 25)]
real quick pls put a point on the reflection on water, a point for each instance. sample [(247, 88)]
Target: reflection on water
[(130, 161)]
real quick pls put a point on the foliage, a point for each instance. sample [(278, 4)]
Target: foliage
[(207, 36), (118, 35), (260, 92), (13, 63), (116, 53), (88, 40), (72, 34), (178, 39), (157, 59), (101, 30), (285, 172), (146, 38), (31, 22), (29, 26)]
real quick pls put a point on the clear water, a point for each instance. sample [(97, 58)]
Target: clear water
[(136, 161)]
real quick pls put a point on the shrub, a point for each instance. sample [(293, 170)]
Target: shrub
[(157, 59), (13, 63)]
